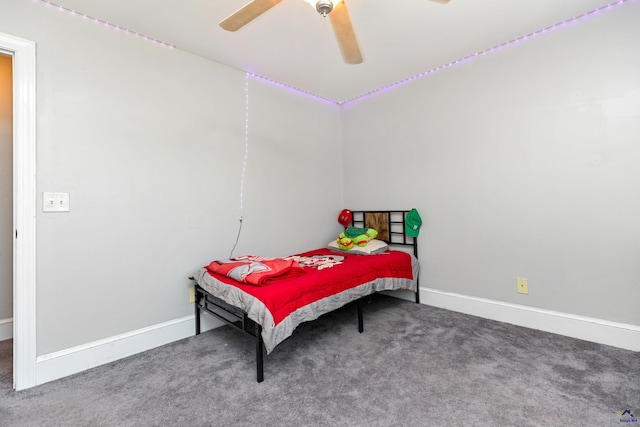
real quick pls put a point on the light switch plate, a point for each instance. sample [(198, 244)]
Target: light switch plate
[(55, 202)]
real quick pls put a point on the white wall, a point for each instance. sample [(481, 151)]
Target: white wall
[(524, 163), (6, 190), (150, 142)]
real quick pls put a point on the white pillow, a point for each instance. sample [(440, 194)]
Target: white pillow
[(373, 246)]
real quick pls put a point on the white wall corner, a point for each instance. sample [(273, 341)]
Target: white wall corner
[(600, 331), (6, 329), (70, 361)]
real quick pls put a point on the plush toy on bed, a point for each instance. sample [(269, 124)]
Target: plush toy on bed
[(354, 236)]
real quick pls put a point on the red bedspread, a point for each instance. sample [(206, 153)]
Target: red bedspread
[(256, 270), (326, 273)]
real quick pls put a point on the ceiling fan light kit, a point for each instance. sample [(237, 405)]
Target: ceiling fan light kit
[(335, 9), (324, 7)]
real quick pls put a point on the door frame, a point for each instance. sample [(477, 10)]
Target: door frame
[(24, 208)]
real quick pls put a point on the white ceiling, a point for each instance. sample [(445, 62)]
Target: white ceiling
[(292, 44)]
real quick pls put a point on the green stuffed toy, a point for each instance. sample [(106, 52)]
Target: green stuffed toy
[(354, 236)]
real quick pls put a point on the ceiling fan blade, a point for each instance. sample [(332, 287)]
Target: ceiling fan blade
[(247, 14), (341, 22), (441, 1)]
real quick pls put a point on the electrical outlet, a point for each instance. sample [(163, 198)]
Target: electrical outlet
[(192, 294), (522, 286)]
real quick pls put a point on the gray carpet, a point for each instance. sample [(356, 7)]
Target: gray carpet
[(413, 366)]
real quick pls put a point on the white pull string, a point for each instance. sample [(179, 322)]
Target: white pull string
[(244, 162)]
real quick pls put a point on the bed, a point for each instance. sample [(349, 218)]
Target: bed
[(316, 282)]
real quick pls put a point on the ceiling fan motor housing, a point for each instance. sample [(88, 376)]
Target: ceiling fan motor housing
[(324, 7)]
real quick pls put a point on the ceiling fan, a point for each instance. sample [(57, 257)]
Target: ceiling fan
[(335, 9)]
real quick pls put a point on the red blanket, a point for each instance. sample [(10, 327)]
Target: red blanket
[(326, 273), (256, 270)]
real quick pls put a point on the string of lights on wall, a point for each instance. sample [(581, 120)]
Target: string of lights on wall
[(106, 24), (246, 143), (385, 88), (244, 161)]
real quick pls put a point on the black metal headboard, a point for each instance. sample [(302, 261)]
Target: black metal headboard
[(390, 226)]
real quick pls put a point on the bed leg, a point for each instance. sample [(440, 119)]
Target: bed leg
[(259, 355), (417, 292), (360, 320), (197, 308)]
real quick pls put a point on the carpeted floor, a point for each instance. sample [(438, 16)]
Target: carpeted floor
[(413, 366), (6, 368)]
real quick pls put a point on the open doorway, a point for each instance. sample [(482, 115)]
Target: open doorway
[(23, 229), (6, 221)]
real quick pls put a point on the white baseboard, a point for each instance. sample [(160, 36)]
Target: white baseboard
[(70, 361), (6, 329), (60, 364), (600, 331)]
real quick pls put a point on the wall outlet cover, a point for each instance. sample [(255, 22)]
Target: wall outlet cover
[(522, 286)]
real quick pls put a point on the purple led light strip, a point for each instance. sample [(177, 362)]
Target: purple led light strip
[(106, 24), (445, 66), (292, 88), (483, 52), (374, 91)]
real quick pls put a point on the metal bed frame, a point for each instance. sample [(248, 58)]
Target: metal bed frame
[(239, 320)]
